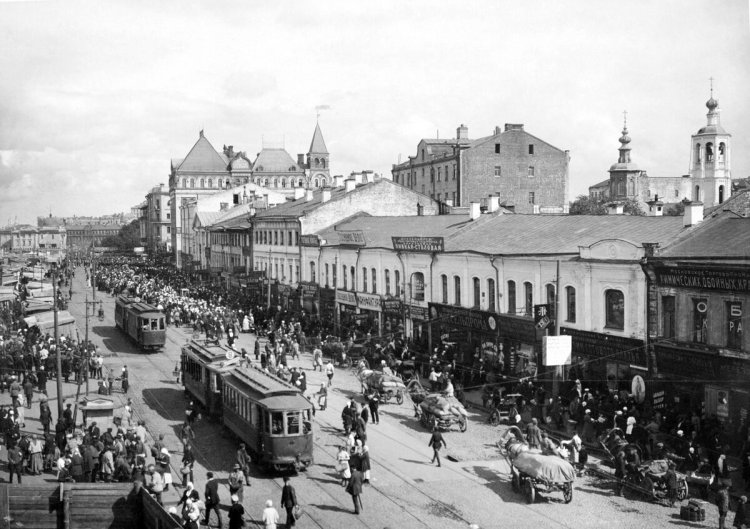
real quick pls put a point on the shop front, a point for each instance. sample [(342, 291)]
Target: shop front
[(328, 309), (309, 297), (370, 310), (601, 360), (417, 318), (346, 311), (393, 316), (519, 347)]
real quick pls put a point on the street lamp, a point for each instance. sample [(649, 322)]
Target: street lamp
[(58, 359)]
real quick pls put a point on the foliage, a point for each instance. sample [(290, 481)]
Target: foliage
[(585, 205), (128, 238), (675, 210)]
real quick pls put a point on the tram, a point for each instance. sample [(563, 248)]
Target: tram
[(144, 323), (268, 414)]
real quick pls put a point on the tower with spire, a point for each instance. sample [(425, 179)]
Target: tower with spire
[(710, 158), (624, 175), (318, 161)]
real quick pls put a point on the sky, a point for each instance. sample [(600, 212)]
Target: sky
[(96, 97)]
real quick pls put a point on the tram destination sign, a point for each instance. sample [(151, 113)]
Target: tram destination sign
[(704, 279), (418, 244)]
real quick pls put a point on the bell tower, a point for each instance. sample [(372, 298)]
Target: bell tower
[(318, 161), (711, 159)]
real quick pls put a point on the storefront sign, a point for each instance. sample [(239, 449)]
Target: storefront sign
[(417, 313), (369, 301), (256, 274), (737, 281), (541, 318), (247, 251), (638, 389), (659, 400), (310, 241), (346, 298), (352, 238), (557, 350), (418, 244), (517, 328), (612, 348), (477, 320), (392, 306), (685, 363), (308, 290)]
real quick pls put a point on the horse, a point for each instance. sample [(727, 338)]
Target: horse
[(626, 456)]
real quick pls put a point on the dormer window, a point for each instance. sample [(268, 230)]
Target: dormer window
[(292, 169), (259, 168)]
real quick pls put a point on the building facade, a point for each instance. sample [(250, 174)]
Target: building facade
[(528, 174), (158, 221)]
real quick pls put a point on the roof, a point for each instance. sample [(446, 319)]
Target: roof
[(286, 402), (379, 230), (318, 145), (260, 384), (206, 218), (299, 207), (203, 158), (275, 161), (603, 183), (709, 239)]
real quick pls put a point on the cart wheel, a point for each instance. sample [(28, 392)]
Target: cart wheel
[(568, 492), (682, 489), (400, 397), (530, 491), (347, 362), (515, 482), (494, 418), (463, 424)]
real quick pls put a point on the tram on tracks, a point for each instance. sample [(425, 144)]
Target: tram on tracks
[(143, 323), (270, 415)]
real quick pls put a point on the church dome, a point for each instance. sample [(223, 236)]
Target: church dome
[(712, 104)]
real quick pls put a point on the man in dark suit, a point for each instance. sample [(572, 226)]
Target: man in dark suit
[(288, 501), (436, 442), (354, 488), (212, 498)]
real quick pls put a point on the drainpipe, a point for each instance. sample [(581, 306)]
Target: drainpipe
[(403, 305), (497, 283)]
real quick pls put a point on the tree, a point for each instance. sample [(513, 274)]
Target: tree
[(585, 205), (128, 238)]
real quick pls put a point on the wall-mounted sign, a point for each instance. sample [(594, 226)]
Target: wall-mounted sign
[(346, 298), (418, 244), (737, 281), (450, 315), (557, 350), (369, 301), (308, 290), (311, 241), (352, 238)]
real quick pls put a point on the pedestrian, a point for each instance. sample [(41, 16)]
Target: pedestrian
[(15, 463), (270, 515), (329, 373), (317, 359), (741, 518), (288, 501), (28, 389), (188, 460), (189, 494), (154, 483), (436, 442), (110, 382), (243, 459), (373, 402), (322, 397), (722, 502), (365, 464), (124, 378), (236, 513), (211, 496), (670, 480), (235, 481), (354, 488), (186, 433), (343, 466), (45, 414), (36, 464)]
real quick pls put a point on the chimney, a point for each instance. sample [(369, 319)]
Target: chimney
[(475, 210), (420, 209), (299, 192), (655, 207), (693, 214), (498, 130), (326, 194), (338, 180), (301, 160), (357, 177), (613, 208), (462, 132), (349, 185), (308, 195), (493, 204)]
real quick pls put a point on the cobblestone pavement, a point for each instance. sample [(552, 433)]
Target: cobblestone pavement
[(406, 491)]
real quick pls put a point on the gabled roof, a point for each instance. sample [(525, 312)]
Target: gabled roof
[(206, 218), (603, 183), (318, 145), (379, 230), (710, 239), (275, 161), (203, 158)]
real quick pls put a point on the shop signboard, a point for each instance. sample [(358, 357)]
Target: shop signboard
[(308, 290), (247, 251), (417, 313), (310, 241), (392, 306), (557, 350), (476, 320), (369, 301), (685, 363), (351, 238), (736, 281), (541, 318), (607, 346), (345, 297), (256, 274), (418, 244)]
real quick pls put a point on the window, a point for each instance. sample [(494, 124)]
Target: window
[(364, 279), (531, 170), (477, 290), (334, 270), (343, 274), (570, 303), (387, 282), (551, 301), (352, 274), (440, 170), (532, 198), (275, 238), (614, 306), (734, 324), (289, 238), (292, 422), (327, 283), (491, 295), (531, 148), (456, 290), (312, 271), (511, 297), (498, 170), (444, 288), (709, 152), (374, 275), (497, 148), (700, 320), (397, 282), (277, 423), (528, 292), (417, 286), (668, 316)]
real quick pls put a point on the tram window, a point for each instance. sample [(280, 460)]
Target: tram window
[(292, 422), (161, 324), (154, 325), (277, 423), (254, 416), (144, 323)]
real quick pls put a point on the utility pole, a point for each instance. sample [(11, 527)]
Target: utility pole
[(58, 359), (86, 338)]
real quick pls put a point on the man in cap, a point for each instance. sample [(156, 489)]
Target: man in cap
[(236, 480), (15, 390), (154, 483), (243, 460), (211, 496)]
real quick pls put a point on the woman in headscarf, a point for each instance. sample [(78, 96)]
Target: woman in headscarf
[(365, 463), (36, 463), (343, 466)]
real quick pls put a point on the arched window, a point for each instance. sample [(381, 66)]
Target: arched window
[(697, 195), (444, 288), (326, 276), (417, 286), (343, 274), (283, 183), (387, 282), (315, 183), (275, 182), (722, 151), (550, 291), (570, 304), (351, 274), (210, 182), (477, 292), (192, 183), (300, 183), (528, 296), (614, 305), (184, 182), (511, 297), (317, 162), (323, 163), (202, 184), (265, 182), (364, 279), (374, 275), (292, 169), (456, 290), (709, 152), (397, 282), (698, 153), (490, 293), (721, 194)]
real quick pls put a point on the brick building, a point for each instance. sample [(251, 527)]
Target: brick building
[(528, 174)]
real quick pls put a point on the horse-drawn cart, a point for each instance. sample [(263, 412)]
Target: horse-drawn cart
[(442, 412), (388, 386)]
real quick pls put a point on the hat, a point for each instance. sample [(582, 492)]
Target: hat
[(269, 503), (236, 466), (587, 410), (692, 450), (680, 433), (660, 445), (235, 498), (173, 510), (618, 412)]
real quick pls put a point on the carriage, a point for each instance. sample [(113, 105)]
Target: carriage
[(438, 411), (388, 386)]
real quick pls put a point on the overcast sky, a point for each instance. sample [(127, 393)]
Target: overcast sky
[(96, 97)]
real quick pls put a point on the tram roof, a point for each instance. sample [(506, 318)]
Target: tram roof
[(135, 305), (286, 402), (207, 351), (261, 385)]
